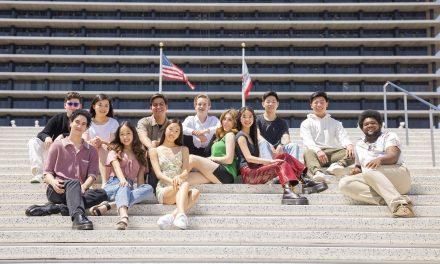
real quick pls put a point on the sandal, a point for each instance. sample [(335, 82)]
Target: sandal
[(122, 224), (94, 210)]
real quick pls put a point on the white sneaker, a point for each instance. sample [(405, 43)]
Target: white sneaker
[(165, 221), (37, 178), (181, 221), (336, 169), (319, 176)]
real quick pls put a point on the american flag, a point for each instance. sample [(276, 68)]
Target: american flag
[(172, 72), (246, 83)]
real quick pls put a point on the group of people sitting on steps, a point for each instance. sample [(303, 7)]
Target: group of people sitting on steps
[(164, 158)]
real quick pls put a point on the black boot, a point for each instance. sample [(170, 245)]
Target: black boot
[(309, 186), (42, 210), (291, 198), (81, 222)]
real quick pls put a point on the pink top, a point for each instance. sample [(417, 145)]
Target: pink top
[(64, 162), (129, 167)]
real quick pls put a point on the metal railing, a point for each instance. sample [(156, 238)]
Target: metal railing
[(405, 104)]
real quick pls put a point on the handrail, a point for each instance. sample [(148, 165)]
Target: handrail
[(405, 101)]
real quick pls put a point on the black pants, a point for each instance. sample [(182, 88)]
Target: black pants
[(188, 142), (150, 177), (73, 197)]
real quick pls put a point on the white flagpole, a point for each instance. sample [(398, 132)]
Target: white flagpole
[(160, 67), (243, 99)]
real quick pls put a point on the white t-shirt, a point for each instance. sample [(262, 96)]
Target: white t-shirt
[(103, 131), (366, 152)]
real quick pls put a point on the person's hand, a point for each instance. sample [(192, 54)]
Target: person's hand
[(197, 132), (277, 161), (96, 142), (213, 159), (123, 183), (155, 143), (278, 150), (47, 142), (355, 170), (57, 185), (374, 163), (322, 157), (350, 151), (177, 181), (202, 138)]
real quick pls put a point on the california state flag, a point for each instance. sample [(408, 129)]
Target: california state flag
[(246, 84)]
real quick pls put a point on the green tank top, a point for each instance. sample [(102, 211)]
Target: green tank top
[(218, 149)]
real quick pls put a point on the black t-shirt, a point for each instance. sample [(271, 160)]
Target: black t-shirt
[(272, 131)]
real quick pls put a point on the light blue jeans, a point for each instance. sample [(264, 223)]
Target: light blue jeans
[(127, 195), (265, 149)]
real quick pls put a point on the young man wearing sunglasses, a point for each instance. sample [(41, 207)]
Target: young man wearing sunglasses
[(56, 128)]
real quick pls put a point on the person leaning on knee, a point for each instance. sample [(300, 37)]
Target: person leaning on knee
[(380, 176)]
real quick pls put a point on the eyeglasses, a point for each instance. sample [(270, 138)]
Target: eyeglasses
[(75, 104)]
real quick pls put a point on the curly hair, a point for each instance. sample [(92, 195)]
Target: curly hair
[(82, 112), (369, 114)]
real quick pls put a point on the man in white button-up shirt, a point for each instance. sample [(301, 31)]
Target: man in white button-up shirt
[(199, 129), (326, 141)]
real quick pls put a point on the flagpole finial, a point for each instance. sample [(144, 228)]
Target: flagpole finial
[(243, 44), (161, 44)]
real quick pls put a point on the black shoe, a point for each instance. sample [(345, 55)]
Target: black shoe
[(292, 198), (42, 210), (81, 222), (63, 209), (309, 186)]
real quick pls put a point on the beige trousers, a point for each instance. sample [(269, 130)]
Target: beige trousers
[(333, 154), (385, 185)]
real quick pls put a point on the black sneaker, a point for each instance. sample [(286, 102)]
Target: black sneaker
[(63, 209), (309, 186), (42, 210)]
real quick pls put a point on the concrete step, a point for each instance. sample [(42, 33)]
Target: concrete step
[(251, 189), (12, 178), (226, 237), (331, 223), (215, 198), (255, 210), (216, 253)]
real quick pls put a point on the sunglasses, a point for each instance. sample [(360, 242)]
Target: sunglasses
[(75, 104)]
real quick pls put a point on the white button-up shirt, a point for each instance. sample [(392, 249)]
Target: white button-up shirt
[(192, 123)]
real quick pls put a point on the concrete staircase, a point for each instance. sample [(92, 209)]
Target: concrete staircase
[(231, 223)]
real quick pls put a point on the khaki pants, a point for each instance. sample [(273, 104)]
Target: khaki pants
[(334, 155), (386, 185)]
